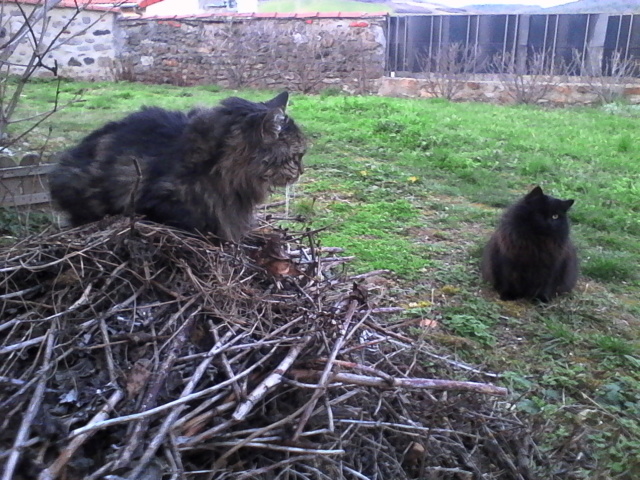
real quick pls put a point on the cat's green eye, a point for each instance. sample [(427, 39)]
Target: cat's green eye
[(554, 216)]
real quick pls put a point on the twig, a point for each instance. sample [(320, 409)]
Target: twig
[(56, 467), (25, 344), (152, 392), (324, 377), (414, 383), (167, 406), (271, 381), (171, 418), (32, 410)]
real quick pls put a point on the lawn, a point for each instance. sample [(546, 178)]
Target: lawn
[(415, 186)]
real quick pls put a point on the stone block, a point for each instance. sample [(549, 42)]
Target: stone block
[(105, 62)]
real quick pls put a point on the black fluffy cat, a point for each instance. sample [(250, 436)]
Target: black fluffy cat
[(205, 170), (530, 255)]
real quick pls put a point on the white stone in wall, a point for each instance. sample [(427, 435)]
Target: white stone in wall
[(72, 44)]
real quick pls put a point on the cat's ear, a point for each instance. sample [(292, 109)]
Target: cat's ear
[(272, 124), (279, 101), (536, 192), (567, 204)]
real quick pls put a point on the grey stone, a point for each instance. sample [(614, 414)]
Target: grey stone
[(105, 62), (7, 162), (30, 159), (73, 62), (88, 61)]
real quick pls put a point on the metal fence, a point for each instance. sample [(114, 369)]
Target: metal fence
[(589, 43)]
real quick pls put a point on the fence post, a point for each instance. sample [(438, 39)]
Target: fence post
[(595, 49)]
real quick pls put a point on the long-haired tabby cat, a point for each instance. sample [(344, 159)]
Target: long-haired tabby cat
[(205, 170), (530, 255)]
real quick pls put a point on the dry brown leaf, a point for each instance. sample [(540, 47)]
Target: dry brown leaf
[(138, 377)]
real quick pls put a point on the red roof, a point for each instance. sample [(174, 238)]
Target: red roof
[(269, 15), (92, 4)]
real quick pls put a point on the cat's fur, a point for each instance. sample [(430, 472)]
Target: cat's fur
[(530, 255), (205, 170)]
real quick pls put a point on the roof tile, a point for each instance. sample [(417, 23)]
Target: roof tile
[(282, 15)]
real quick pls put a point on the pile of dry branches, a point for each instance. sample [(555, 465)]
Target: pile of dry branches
[(131, 350)]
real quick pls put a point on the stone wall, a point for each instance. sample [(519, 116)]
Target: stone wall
[(84, 47), (306, 54)]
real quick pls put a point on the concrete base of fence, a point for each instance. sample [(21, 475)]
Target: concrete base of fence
[(495, 91)]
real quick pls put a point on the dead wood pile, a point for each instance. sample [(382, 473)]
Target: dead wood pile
[(131, 350)]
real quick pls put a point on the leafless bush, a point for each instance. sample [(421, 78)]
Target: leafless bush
[(122, 70), (251, 53), (291, 56), (34, 31), (304, 67), (532, 80), (607, 78), (363, 62), (449, 68)]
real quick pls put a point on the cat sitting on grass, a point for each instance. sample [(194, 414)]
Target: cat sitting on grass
[(530, 255)]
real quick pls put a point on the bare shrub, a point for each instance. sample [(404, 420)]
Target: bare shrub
[(532, 80), (304, 68), (607, 78), (251, 55), (449, 68), (122, 70), (34, 31)]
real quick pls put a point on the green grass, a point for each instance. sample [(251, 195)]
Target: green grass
[(415, 186)]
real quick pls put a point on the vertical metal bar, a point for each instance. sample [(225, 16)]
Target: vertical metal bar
[(504, 37), (585, 43), (397, 43), (619, 31), (477, 40), (555, 42), (515, 36), (626, 55), (440, 54), (388, 46), (546, 31), (432, 23), (406, 44), (466, 42)]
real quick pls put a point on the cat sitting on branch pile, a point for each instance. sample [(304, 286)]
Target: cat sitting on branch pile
[(205, 170)]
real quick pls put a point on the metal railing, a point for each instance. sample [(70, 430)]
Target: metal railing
[(585, 44)]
